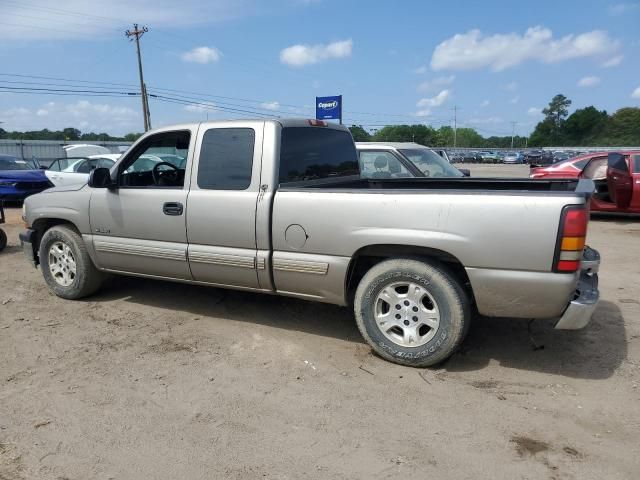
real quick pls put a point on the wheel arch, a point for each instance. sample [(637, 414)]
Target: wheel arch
[(41, 225), (366, 257)]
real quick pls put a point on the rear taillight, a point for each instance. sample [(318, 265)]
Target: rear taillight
[(571, 238)]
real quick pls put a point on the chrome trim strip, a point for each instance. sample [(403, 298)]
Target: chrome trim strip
[(316, 268), (260, 264), (221, 259), (146, 251)]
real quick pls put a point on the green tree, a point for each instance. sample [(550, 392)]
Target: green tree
[(132, 137), (557, 110), (624, 127), (585, 125), (359, 134), (71, 134)]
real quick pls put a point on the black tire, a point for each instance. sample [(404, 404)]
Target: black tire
[(451, 300), (87, 278), (3, 240)]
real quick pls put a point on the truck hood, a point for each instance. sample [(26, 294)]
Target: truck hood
[(23, 175), (66, 188)]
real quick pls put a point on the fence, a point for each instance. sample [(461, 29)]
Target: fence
[(45, 151)]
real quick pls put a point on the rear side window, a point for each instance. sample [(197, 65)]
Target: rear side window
[(312, 153), (636, 164), (226, 159)]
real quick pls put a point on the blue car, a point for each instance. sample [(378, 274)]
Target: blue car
[(20, 178)]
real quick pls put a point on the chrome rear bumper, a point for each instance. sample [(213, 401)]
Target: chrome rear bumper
[(578, 313)]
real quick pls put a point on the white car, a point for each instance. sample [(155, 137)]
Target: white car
[(75, 170)]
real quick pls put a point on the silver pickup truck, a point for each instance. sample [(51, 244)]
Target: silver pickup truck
[(279, 207)]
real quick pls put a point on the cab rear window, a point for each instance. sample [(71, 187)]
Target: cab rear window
[(314, 153)]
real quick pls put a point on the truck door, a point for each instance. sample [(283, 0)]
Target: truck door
[(139, 226), (221, 213), (619, 180)]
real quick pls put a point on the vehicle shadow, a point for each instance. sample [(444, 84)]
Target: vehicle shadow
[(257, 308), (594, 352)]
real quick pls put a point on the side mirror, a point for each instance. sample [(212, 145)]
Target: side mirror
[(101, 178), (465, 171)]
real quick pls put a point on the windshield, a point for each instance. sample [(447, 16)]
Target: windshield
[(11, 163), (430, 163)]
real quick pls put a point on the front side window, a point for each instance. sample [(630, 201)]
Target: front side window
[(158, 162), (380, 164), (226, 159), (636, 163), (313, 153)]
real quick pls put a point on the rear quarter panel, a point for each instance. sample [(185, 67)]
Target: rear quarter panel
[(499, 238)]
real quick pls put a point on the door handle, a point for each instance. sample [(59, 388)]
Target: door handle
[(172, 208)]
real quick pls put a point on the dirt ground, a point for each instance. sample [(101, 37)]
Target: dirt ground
[(159, 380)]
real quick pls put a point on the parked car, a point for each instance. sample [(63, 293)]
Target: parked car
[(513, 157), (278, 206), (567, 169), (560, 156), (488, 157), (72, 171), (616, 176), (20, 178), (402, 160), (538, 158)]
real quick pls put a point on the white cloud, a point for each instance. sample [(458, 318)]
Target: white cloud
[(421, 70), (534, 111), (99, 19), (200, 107), (270, 105), (474, 50), (88, 116), (436, 83), (485, 103), (514, 100), (301, 55), (623, 8), (426, 104), (590, 81), (436, 101), (613, 61), (202, 55), (636, 93)]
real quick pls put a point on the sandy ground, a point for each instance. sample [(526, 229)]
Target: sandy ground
[(158, 380)]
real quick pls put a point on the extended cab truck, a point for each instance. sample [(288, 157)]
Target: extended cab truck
[(278, 206)]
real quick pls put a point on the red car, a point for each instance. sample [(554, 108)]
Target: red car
[(616, 175)]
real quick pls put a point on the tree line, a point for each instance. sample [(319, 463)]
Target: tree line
[(584, 127), (68, 134)]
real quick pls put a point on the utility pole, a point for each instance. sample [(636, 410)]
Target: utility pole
[(513, 132), (455, 126), (137, 33)]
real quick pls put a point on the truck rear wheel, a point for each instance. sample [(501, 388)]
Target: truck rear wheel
[(411, 312), (66, 265), (3, 240)]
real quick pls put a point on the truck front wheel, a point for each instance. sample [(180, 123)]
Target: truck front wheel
[(66, 265), (411, 312)]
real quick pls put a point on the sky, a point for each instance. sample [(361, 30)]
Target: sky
[(493, 65)]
